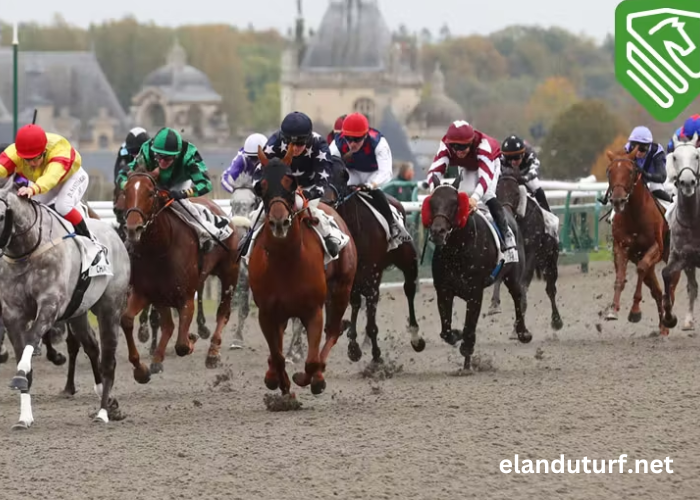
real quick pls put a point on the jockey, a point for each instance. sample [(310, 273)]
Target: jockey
[(183, 173), (517, 153), (651, 160), (690, 127), (367, 158), (53, 170), (311, 166), (127, 152), (337, 129), (478, 157), (245, 161)]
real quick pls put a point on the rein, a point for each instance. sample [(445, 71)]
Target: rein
[(147, 220)]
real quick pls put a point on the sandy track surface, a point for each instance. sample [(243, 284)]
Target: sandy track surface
[(423, 433)]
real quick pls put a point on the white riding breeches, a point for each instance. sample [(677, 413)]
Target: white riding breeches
[(470, 178), (533, 185), (65, 197)]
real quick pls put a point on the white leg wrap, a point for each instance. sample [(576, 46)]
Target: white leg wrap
[(102, 416), (25, 409), (25, 362)]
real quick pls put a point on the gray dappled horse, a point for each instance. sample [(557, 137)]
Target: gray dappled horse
[(39, 271), (683, 171)]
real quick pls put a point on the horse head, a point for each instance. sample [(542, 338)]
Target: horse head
[(16, 214), (338, 180), (143, 201), (683, 166), (443, 211), (243, 198), (623, 176), (277, 188), (508, 187)]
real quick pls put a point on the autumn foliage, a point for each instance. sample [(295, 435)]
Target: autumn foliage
[(601, 164)]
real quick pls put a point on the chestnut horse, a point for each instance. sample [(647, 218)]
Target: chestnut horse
[(167, 270), (640, 234), (288, 280)]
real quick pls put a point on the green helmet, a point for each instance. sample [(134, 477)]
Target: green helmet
[(167, 142)]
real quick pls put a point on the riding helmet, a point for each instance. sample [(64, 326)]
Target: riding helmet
[(355, 125), (30, 141), (167, 142), (692, 126), (297, 127), (135, 139), (460, 132), (641, 135), (250, 147), (513, 146)]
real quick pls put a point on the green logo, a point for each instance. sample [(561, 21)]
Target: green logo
[(657, 54)]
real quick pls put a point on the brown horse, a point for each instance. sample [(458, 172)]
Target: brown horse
[(168, 268), (288, 280), (640, 234), (373, 258)]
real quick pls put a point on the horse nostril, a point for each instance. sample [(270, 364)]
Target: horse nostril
[(286, 223)]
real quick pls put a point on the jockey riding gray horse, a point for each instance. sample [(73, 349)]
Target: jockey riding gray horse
[(50, 275)]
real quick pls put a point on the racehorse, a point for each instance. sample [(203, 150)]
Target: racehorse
[(39, 274), (684, 170), (465, 262), (168, 268), (640, 234), (373, 257), (541, 248), (288, 280)]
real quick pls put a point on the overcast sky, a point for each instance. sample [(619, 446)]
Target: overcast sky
[(592, 17)]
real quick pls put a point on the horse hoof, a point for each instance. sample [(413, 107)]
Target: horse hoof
[(301, 379), (156, 368), (68, 393), (452, 337), (4, 356), (557, 323), (204, 332), (493, 311), (418, 346), (345, 325), (354, 351), (101, 417), (634, 317), (143, 334), (237, 344), (21, 426), (272, 384), (670, 321), (318, 386), (688, 325), (611, 316), (183, 350), (19, 382), (142, 375), (213, 361), (525, 337)]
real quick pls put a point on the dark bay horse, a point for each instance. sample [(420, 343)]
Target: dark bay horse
[(541, 248), (464, 261), (168, 268), (288, 280), (373, 258), (640, 234)]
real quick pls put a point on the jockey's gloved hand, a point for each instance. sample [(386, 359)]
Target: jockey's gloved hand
[(21, 181), (313, 193), (177, 195)]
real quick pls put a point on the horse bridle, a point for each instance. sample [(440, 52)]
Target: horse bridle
[(146, 220), (450, 223), (635, 172), (8, 229), (695, 174)]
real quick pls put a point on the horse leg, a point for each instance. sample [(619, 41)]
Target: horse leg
[(514, 286), (354, 350), (4, 353), (135, 303), (223, 313), (621, 259), (242, 300), (167, 328), (185, 342), (445, 301), (202, 330), (296, 347), (276, 375), (372, 330), (154, 320), (550, 273), (108, 323), (313, 369), (410, 285), (471, 319), (652, 283), (73, 345), (495, 307), (82, 333), (336, 306), (52, 354), (143, 327), (692, 287), (671, 274)]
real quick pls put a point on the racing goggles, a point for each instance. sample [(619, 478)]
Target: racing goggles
[(296, 140), (459, 147), (641, 147)]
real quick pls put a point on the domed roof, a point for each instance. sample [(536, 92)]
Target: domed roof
[(437, 109), (177, 73)]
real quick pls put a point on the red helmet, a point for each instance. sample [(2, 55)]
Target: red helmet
[(30, 141), (355, 125), (460, 132), (338, 127)]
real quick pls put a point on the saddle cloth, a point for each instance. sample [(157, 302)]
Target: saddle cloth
[(483, 211), (403, 235), (334, 230), (216, 225), (551, 221)]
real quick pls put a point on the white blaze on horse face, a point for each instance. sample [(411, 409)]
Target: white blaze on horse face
[(686, 160), (25, 362)]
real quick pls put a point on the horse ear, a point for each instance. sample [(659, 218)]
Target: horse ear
[(611, 155), (262, 157), (287, 160), (694, 141), (676, 141), (426, 213), (463, 210), (8, 183)]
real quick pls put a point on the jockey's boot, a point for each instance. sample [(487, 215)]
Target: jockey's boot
[(81, 229), (542, 199), (499, 217), (662, 195), (332, 246)]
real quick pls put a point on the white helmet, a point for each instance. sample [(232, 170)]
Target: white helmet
[(252, 142)]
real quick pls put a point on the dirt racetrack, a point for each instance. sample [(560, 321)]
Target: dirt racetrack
[(423, 434)]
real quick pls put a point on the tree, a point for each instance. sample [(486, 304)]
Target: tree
[(601, 164), (576, 139), (550, 98)]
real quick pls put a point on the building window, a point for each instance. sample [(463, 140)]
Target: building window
[(103, 142), (366, 107), (155, 116)]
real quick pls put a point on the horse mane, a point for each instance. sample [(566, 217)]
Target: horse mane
[(243, 180)]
